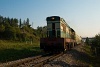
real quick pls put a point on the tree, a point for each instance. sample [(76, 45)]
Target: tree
[(2, 29), (16, 22), (6, 23), (10, 33), (42, 31), (87, 41), (96, 41), (27, 21), (8, 20), (11, 23), (20, 25), (1, 20), (24, 23)]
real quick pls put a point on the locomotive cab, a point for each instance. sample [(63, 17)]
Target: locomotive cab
[(53, 26)]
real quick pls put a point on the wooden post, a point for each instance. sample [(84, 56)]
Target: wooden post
[(95, 51)]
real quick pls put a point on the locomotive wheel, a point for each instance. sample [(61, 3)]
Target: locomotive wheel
[(65, 49)]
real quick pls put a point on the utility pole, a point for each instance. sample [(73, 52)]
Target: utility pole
[(32, 24)]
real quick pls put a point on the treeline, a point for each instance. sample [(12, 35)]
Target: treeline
[(96, 41), (95, 44), (15, 29)]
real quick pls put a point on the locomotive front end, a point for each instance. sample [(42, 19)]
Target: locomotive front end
[(52, 44)]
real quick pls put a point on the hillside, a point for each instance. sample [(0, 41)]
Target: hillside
[(16, 30)]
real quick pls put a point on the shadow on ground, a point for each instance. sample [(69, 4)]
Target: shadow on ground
[(63, 64), (80, 56)]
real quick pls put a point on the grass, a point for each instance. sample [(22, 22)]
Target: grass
[(16, 50), (94, 60), (87, 50)]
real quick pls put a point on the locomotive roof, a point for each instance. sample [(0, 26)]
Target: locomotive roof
[(53, 18), (57, 18), (65, 22)]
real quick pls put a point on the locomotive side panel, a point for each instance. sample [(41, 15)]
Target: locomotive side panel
[(65, 29)]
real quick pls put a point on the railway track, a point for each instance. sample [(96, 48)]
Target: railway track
[(48, 60), (38, 61)]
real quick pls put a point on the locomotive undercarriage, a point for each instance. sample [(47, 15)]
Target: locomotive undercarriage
[(56, 46)]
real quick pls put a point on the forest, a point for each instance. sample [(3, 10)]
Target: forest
[(17, 30)]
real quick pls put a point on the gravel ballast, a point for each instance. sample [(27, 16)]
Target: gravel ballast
[(73, 58)]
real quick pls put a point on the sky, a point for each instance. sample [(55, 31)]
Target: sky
[(81, 15)]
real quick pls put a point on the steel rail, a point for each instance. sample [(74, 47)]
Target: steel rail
[(48, 60)]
